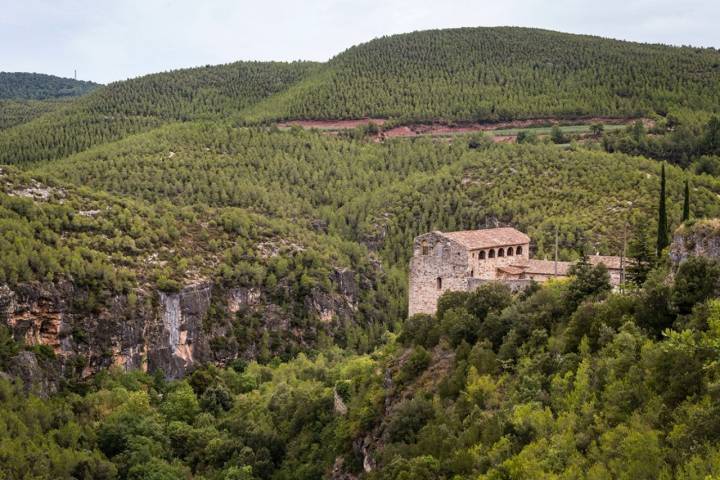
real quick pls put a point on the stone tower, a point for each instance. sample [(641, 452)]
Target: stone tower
[(445, 261)]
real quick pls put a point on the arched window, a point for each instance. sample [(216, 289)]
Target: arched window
[(439, 283), (425, 248), (510, 251), (518, 251), (501, 252), (481, 255), (491, 253)]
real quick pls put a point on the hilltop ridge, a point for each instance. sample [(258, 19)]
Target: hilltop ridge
[(39, 86), (456, 75)]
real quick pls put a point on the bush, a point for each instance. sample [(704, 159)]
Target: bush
[(408, 418), (459, 325), (586, 281), (557, 135), (216, 399), (416, 363), (421, 329), (8, 346), (697, 279), (450, 300), (489, 297)]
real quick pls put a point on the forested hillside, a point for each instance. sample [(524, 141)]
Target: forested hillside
[(16, 112), (567, 380), (492, 74), (25, 96), (37, 86), (140, 104), (109, 247), (191, 289), (469, 74), (385, 194)]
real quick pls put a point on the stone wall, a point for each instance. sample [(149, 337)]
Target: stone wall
[(486, 268), (443, 259), (515, 284)]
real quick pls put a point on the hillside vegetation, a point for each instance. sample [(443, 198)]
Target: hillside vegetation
[(565, 381), (169, 221), (37, 86), (16, 112), (468, 74), (491, 74), (385, 194), (108, 246), (140, 104)]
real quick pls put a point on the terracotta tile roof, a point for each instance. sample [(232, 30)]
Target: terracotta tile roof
[(512, 270), (488, 238), (610, 262), (547, 267), (544, 267)]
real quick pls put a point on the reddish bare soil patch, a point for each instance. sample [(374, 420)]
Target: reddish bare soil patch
[(332, 124), (439, 129)]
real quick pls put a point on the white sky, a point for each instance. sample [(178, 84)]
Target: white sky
[(107, 40)]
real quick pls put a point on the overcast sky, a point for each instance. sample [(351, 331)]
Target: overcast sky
[(107, 40)]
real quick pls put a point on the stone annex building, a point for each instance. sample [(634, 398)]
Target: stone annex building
[(461, 261)]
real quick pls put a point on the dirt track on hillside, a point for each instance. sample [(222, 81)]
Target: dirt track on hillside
[(332, 124), (443, 129)]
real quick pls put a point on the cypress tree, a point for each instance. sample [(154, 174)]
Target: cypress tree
[(686, 203), (662, 232)]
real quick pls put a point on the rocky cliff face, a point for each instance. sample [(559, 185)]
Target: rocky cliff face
[(153, 330), (702, 238)]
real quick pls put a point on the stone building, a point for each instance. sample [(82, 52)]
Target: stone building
[(461, 261)]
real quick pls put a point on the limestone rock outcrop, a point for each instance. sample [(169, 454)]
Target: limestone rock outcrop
[(172, 332), (701, 238)]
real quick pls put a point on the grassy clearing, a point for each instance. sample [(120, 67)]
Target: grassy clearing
[(546, 130)]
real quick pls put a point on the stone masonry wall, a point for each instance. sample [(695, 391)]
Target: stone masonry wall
[(487, 267), (446, 260)]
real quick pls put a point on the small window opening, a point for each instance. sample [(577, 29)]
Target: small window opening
[(425, 248), (491, 254), (439, 283), (518, 251), (481, 255), (472, 273), (501, 252), (510, 251)]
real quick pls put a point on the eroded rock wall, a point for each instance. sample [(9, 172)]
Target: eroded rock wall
[(702, 238), (152, 330)]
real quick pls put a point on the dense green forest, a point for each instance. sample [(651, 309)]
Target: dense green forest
[(567, 380), (491, 74), (16, 112), (140, 104), (110, 245), (38, 86), (144, 188), (440, 75), (393, 190)]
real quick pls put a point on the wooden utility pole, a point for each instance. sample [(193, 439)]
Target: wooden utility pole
[(556, 250), (622, 255)]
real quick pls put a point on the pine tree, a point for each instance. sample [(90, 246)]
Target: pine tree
[(686, 203), (662, 232), (640, 255)]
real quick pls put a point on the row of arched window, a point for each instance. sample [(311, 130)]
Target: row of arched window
[(500, 252)]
